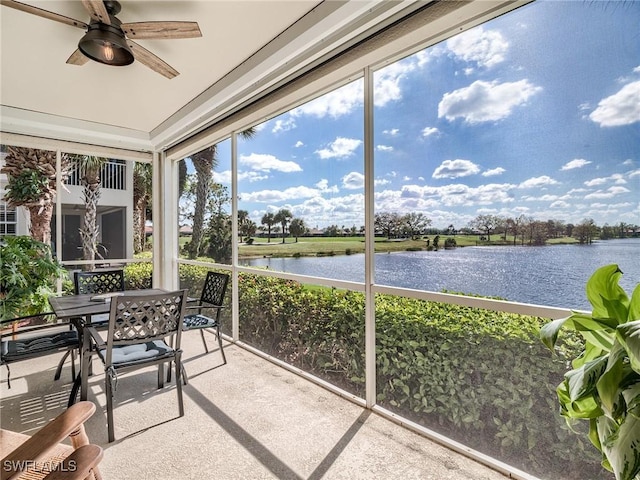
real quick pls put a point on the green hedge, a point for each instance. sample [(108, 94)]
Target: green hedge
[(479, 377)]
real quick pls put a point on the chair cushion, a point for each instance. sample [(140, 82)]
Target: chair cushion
[(23, 348), (140, 351), (197, 320)]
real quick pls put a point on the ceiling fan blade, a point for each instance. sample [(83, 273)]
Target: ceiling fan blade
[(97, 10), (77, 58), (43, 13), (147, 58), (157, 30)]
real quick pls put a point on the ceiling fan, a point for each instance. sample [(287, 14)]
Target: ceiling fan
[(107, 40)]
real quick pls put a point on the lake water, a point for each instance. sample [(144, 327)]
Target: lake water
[(549, 275)]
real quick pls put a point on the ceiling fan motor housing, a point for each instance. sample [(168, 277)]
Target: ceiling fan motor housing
[(107, 43)]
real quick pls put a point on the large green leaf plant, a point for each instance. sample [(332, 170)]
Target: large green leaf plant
[(604, 385), (28, 273)]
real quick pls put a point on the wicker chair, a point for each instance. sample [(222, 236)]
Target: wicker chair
[(138, 326), (42, 455), (212, 297), (36, 336)]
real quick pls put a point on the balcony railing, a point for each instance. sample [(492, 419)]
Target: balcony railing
[(113, 174)]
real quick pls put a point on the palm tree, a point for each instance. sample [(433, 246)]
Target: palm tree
[(141, 198), (31, 175), (90, 167), (297, 228), (246, 226), (282, 217), (204, 162), (243, 224), (269, 219)]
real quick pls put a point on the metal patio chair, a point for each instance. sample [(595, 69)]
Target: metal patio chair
[(34, 336), (135, 338), (211, 297)]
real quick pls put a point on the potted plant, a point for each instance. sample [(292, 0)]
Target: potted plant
[(28, 273), (604, 385)]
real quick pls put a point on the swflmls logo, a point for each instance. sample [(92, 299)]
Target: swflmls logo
[(30, 465)]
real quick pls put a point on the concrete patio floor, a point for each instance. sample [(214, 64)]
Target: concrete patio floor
[(248, 419)]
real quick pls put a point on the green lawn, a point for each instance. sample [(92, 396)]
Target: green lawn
[(315, 246)]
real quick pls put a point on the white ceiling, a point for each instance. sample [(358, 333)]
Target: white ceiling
[(247, 47)]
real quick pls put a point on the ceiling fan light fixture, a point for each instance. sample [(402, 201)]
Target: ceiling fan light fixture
[(106, 44)]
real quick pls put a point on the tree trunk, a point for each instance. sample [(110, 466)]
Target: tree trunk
[(90, 231), (139, 221), (40, 216), (202, 194)]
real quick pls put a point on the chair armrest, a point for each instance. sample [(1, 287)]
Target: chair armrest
[(78, 465), (8, 322), (200, 307), (35, 448), (97, 338)]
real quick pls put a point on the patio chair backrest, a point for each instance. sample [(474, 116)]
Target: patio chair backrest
[(145, 318), (99, 282), (214, 289)]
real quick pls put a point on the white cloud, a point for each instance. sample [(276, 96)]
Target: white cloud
[(387, 81), (608, 193), (284, 125), (484, 48), (452, 195), (323, 186), (621, 108), (494, 171), (299, 144), (595, 182), (384, 148), (378, 182), (543, 198), (615, 178), (265, 163), (340, 148), (486, 101), (455, 169), (353, 181), (428, 131), (278, 196), (334, 104), (251, 176), (575, 163), (536, 182), (393, 132)]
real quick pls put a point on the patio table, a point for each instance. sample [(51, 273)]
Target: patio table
[(77, 308)]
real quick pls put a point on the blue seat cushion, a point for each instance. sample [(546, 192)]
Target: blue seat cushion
[(16, 349), (197, 320), (141, 351)]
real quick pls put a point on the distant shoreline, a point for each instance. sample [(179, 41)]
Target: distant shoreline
[(334, 246)]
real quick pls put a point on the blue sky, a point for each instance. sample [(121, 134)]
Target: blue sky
[(535, 113)]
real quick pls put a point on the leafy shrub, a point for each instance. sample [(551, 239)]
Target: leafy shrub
[(28, 273), (137, 276), (472, 374)]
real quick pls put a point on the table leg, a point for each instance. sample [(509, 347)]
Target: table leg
[(85, 366)]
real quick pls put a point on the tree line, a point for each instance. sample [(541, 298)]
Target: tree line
[(528, 230)]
